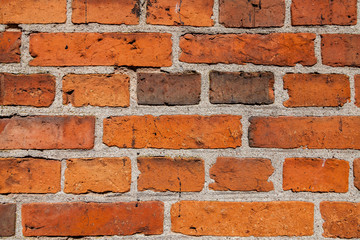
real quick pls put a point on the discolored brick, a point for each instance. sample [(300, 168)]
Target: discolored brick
[(241, 174), (162, 174), (96, 90), (173, 131), (279, 49), (168, 88), (7, 219), (357, 90), (97, 175), (357, 173), (36, 90), (316, 175), (10, 47), (241, 87), (252, 13)]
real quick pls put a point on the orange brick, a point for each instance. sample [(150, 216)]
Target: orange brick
[(98, 175), (32, 11), (317, 90), (280, 49), (163, 174), (357, 173), (316, 175), (92, 219), (96, 90), (243, 219), (173, 132), (180, 12), (106, 11), (323, 12), (47, 132), (10, 47), (104, 49), (241, 174), (341, 219), (29, 175), (357, 90), (336, 132), (36, 90)]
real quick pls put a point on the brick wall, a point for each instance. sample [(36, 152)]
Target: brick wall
[(172, 118)]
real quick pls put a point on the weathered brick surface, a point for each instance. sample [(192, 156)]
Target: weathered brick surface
[(174, 132), (47, 132), (163, 174), (324, 12), (89, 49), (241, 87), (341, 219), (92, 219), (36, 90), (29, 175), (280, 49), (357, 173), (357, 90), (10, 47), (252, 13), (241, 174), (7, 219), (340, 50), (317, 90), (96, 90), (97, 175), (106, 11), (243, 219), (335, 132), (184, 12), (168, 89), (32, 11), (316, 175)]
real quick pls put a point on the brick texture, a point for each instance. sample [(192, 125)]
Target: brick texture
[(241, 174), (7, 219), (92, 219), (173, 132), (316, 175), (357, 173), (261, 219), (279, 49), (10, 47), (36, 90), (47, 132), (357, 90), (98, 175), (163, 174)]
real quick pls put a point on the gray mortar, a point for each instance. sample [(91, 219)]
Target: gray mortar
[(277, 156)]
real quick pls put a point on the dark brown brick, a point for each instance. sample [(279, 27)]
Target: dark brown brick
[(241, 87), (168, 89), (7, 220)]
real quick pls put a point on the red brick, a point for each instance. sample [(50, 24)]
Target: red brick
[(97, 175), (10, 47), (106, 11), (29, 175), (317, 90), (323, 12), (357, 90), (7, 219), (47, 132), (162, 174), (252, 13), (92, 219), (280, 49), (243, 219), (168, 88), (341, 219), (96, 90), (173, 132), (180, 12), (340, 50), (357, 173), (336, 132), (32, 11), (242, 87), (316, 175), (104, 49), (241, 174), (36, 90)]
